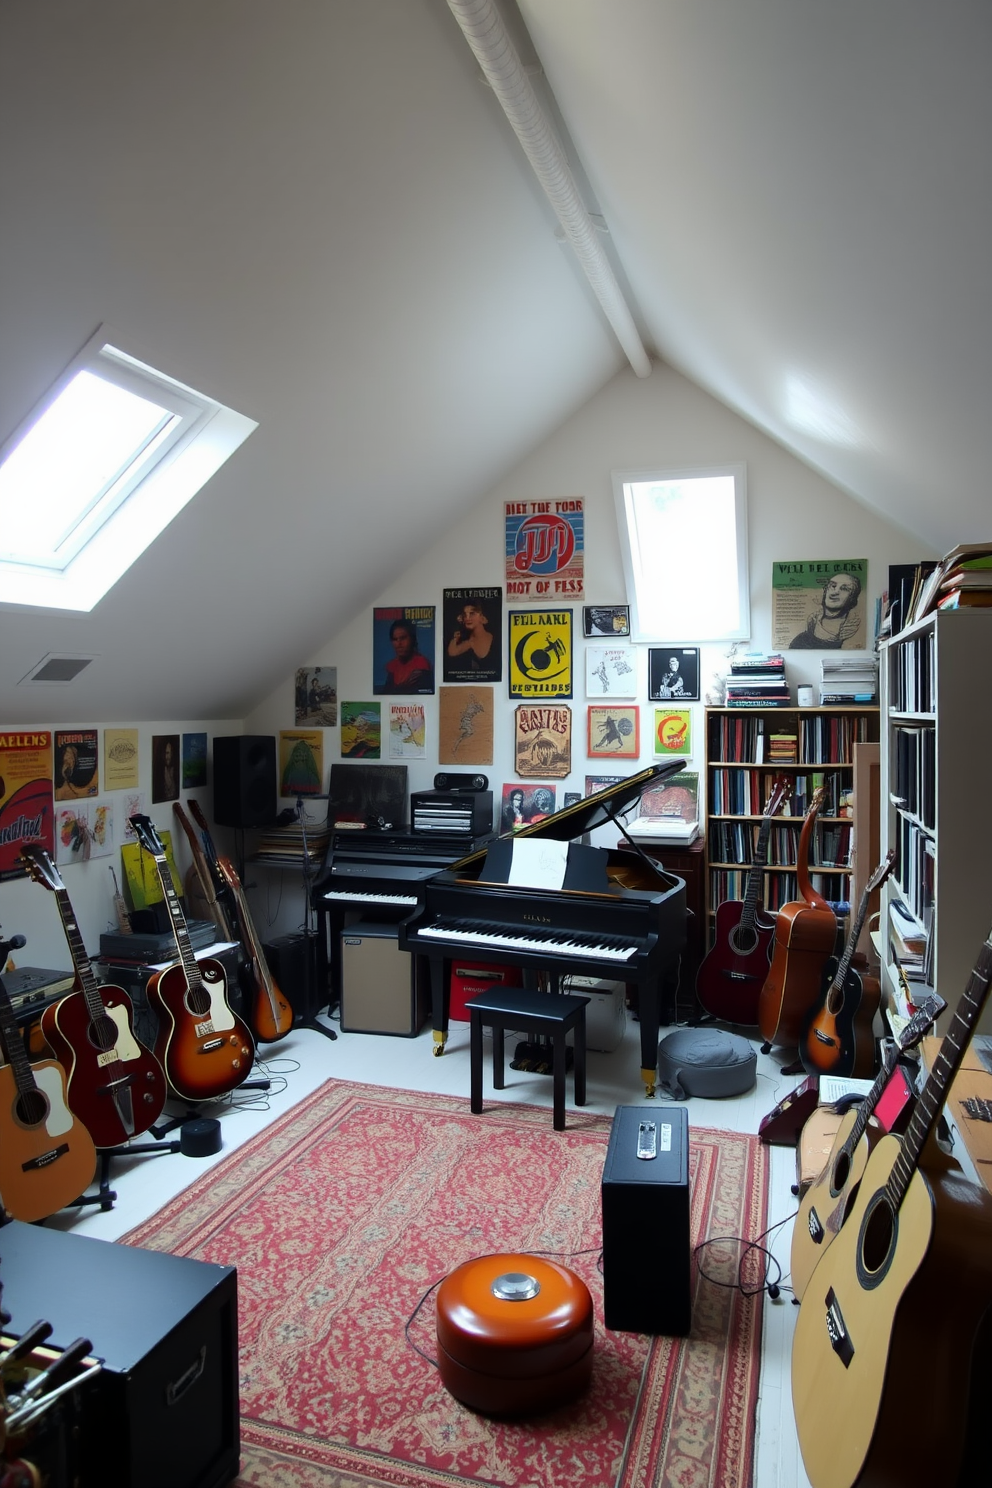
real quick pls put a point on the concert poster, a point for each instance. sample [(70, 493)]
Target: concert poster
[(545, 549), (543, 746), (673, 731), (361, 730), (523, 805), (614, 730), (407, 731), (540, 649), (120, 759), (76, 769), (472, 635), (26, 808), (465, 726), (403, 649), (611, 671), (301, 762), (194, 761)]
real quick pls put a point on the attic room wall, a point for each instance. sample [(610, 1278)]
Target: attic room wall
[(27, 909), (633, 423)]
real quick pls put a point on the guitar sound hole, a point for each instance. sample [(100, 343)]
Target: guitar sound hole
[(103, 1032), (31, 1107), (876, 1237), (743, 942), (842, 1170)]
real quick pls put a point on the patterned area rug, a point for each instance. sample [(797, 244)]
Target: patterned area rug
[(342, 1214)]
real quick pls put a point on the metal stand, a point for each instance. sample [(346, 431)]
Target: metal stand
[(105, 1195), (312, 1005)]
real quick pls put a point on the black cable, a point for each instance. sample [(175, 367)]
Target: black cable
[(774, 1288)]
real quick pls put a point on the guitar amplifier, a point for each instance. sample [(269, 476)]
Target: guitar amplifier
[(383, 989), (164, 1410)]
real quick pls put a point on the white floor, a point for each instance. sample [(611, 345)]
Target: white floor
[(303, 1060)]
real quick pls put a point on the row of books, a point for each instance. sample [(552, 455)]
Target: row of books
[(913, 676), (733, 842), (962, 579), (914, 784), (780, 888), (823, 738)]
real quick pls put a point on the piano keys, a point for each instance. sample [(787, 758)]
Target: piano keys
[(627, 921)]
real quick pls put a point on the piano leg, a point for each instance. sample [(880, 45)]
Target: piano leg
[(440, 1000), (648, 999)]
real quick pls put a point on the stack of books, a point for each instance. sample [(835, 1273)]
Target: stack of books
[(849, 679), (783, 749), (757, 680), (961, 580), (285, 844)]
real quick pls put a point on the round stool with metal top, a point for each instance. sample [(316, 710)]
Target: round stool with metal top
[(514, 1334)]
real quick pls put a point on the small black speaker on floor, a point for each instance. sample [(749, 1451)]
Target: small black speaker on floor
[(290, 959), (244, 780)]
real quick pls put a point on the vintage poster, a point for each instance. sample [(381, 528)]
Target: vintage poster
[(26, 811), (465, 726), (472, 621), (678, 797), (540, 653), (165, 767), (120, 759), (76, 771), (522, 805), (820, 605), (543, 736), (614, 730), (407, 731), (144, 887), (316, 691), (194, 761), (133, 804), (606, 620), (361, 730), (673, 672), (545, 549), (84, 831), (673, 731), (301, 762), (611, 671), (403, 649)]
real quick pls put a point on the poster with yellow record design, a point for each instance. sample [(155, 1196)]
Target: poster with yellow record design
[(540, 649), (672, 731)]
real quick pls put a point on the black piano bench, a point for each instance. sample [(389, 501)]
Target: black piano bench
[(528, 1012)]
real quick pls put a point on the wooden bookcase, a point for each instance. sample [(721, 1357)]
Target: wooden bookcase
[(739, 776), (937, 807)]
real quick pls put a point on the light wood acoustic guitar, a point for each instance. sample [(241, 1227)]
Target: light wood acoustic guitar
[(113, 1083), (47, 1157), (827, 1202), (216, 909), (905, 1287), (271, 1015), (837, 1037), (205, 1049), (733, 971), (805, 937)]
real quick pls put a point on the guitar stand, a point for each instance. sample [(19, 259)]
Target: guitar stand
[(105, 1195)]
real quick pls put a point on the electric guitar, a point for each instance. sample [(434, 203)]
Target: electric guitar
[(113, 1083), (733, 971), (805, 936), (827, 1201), (907, 1283), (204, 874), (205, 1049), (47, 1157), (271, 1014), (837, 1034)]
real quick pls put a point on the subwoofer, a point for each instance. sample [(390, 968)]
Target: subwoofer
[(245, 780)]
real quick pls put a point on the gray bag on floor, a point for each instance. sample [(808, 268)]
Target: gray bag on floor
[(705, 1061)]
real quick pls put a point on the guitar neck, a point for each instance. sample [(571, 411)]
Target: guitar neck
[(14, 1044), (843, 965), (757, 869), (806, 889), (177, 920)]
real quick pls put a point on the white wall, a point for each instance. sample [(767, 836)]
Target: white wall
[(633, 423)]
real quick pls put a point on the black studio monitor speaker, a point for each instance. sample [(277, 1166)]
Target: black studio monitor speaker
[(448, 781), (245, 780)]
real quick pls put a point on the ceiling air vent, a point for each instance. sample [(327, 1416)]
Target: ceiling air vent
[(57, 668)]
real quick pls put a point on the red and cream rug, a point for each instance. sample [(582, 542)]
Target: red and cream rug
[(342, 1214)]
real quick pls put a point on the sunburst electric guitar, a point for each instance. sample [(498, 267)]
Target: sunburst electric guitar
[(205, 1049), (733, 971), (47, 1157), (827, 1201), (113, 1083), (906, 1285)]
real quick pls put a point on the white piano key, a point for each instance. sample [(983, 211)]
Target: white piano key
[(351, 896)]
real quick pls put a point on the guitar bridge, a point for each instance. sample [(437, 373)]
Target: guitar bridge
[(837, 1332)]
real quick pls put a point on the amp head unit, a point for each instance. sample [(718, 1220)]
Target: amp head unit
[(461, 813), (448, 782)]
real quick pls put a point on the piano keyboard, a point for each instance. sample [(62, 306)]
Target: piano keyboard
[(354, 896), (596, 948)]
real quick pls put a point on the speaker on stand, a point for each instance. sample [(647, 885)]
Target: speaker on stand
[(244, 778), (296, 955)]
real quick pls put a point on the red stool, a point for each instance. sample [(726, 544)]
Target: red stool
[(514, 1334)]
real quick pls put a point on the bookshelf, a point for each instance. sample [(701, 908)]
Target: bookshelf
[(937, 810), (745, 749)]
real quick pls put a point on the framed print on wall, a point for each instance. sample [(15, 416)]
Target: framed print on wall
[(673, 672), (611, 671), (614, 732), (606, 620), (673, 731)]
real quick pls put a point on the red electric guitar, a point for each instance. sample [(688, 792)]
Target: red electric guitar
[(733, 971), (113, 1083), (205, 1049)]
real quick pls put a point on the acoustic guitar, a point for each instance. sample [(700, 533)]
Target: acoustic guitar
[(271, 1014), (113, 1083), (805, 936), (827, 1202), (906, 1285), (205, 877), (47, 1157), (733, 971), (205, 1049), (837, 1036)]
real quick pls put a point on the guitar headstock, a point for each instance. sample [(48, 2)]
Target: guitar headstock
[(780, 792), (927, 1013), (38, 861), (882, 872), (226, 870), (816, 804), (147, 834)]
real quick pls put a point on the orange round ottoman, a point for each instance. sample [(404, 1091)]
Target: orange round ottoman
[(514, 1334)]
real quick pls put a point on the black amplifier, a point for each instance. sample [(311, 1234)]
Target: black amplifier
[(455, 812)]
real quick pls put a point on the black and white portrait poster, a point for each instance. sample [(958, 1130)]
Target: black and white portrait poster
[(673, 672)]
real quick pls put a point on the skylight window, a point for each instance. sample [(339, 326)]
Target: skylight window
[(98, 471)]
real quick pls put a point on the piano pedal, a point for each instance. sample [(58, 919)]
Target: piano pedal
[(536, 1059)]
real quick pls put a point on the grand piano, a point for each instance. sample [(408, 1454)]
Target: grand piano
[(618, 914)]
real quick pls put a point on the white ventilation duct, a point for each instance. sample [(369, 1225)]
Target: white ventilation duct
[(487, 36)]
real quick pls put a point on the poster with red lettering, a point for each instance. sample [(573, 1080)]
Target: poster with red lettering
[(543, 741), (26, 806), (545, 549)]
